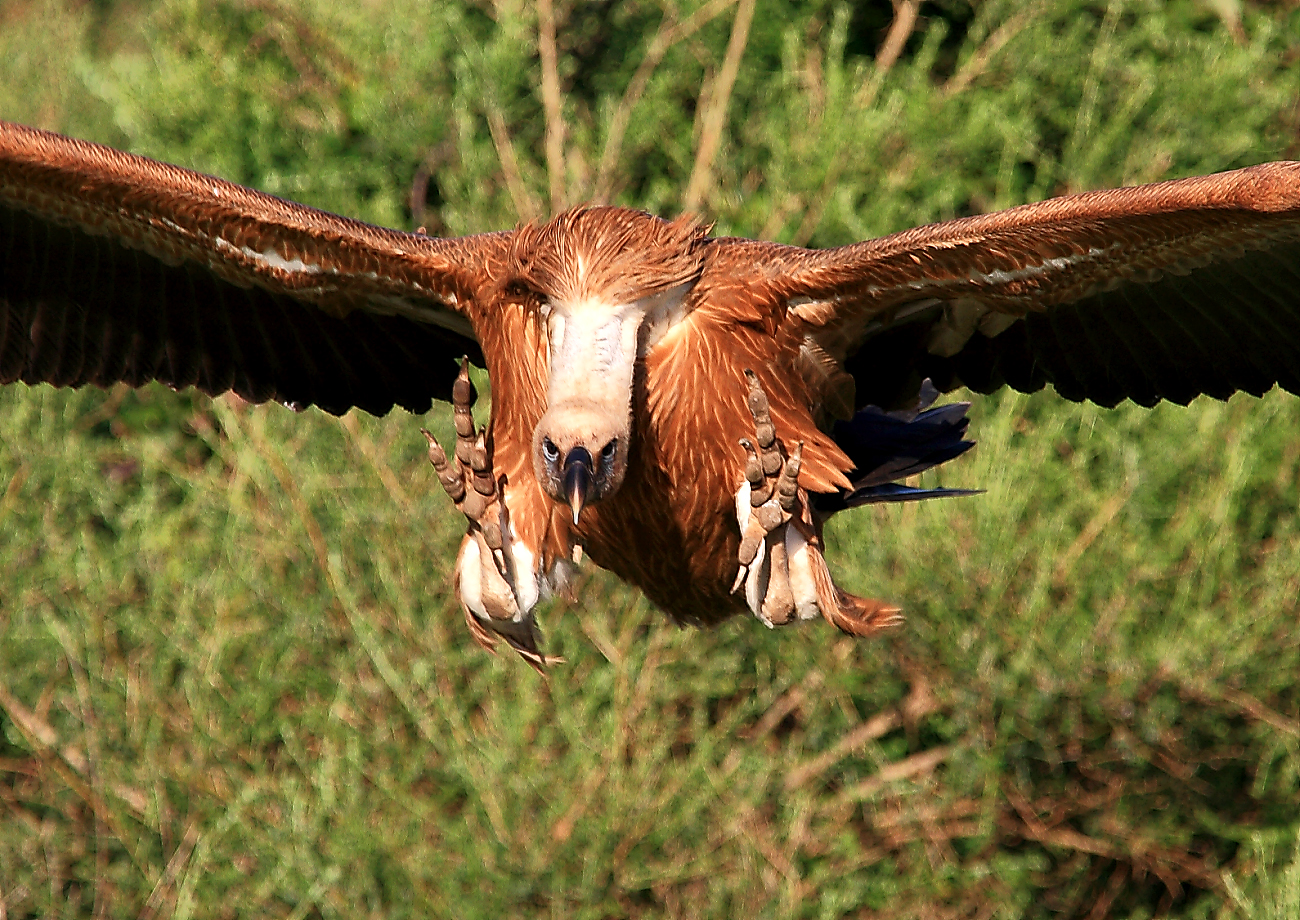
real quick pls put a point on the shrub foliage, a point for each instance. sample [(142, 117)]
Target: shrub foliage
[(233, 681)]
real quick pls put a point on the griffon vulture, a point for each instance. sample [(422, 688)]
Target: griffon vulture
[(686, 410)]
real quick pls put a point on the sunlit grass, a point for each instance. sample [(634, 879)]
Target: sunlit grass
[(229, 647)]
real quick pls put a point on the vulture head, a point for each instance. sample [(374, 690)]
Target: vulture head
[(607, 284)]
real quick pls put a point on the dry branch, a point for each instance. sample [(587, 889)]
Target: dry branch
[(551, 103), (899, 31), (919, 702), (978, 62), (665, 37), (526, 205), (715, 112)]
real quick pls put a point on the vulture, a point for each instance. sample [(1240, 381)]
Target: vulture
[(685, 410)]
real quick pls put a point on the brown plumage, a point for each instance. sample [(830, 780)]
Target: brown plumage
[(619, 347)]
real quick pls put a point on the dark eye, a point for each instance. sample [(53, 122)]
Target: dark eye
[(549, 450), (607, 452)]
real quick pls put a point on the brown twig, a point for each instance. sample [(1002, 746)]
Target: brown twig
[(171, 872), (667, 35), (366, 447), (785, 704), (1172, 867), (91, 760), (917, 764), (1101, 907), (526, 205), (978, 62), (117, 394), (70, 766), (10, 497), (1247, 705), (1031, 827), (551, 102), (429, 222), (715, 111), (1105, 514), (900, 30), (757, 831), (919, 702), (879, 725)]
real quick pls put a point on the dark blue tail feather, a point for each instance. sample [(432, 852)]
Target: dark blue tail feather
[(890, 492), (888, 446)]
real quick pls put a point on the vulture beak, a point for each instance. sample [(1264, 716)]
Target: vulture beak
[(577, 478)]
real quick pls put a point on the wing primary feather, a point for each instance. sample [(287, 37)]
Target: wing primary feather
[(65, 349), (266, 361), (1277, 283), (97, 276), (1201, 372), (1024, 372), (8, 297), (184, 346), (340, 385), (1130, 371), (110, 348), (414, 366), (222, 330), (381, 376), (1099, 377), (301, 341), (1257, 373), (152, 360), (38, 323), (1148, 350), (1275, 277), (1237, 349), (218, 365), (47, 325), (134, 355), (1045, 342)]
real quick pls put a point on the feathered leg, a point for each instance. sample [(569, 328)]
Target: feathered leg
[(782, 569), (496, 575)]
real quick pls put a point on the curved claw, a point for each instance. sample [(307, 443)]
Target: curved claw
[(781, 566), (496, 576), (450, 478)]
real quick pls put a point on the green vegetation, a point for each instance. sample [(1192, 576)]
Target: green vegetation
[(233, 681)]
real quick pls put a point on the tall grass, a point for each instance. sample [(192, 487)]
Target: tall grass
[(233, 681)]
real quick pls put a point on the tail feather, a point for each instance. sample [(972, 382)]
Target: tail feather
[(888, 446), (897, 492)]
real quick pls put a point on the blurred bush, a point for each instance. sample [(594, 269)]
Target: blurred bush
[(232, 681)]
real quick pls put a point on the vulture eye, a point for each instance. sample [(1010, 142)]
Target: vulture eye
[(607, 452), (517, 289), (549, 450)]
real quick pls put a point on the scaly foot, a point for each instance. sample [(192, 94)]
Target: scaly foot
[(494, 582), (782, 568)]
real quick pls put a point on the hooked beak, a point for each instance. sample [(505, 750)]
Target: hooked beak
[(577, 478)]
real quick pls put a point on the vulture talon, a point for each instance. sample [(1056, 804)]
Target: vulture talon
[(496, 577), (781, 566), (766, 502)]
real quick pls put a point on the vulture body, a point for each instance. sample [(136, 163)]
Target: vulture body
[(684, 409)]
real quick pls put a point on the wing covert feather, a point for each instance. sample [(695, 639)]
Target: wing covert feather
[(114, 267)]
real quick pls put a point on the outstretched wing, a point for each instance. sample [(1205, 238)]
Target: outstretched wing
[(114, 267), (1163, 291)]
